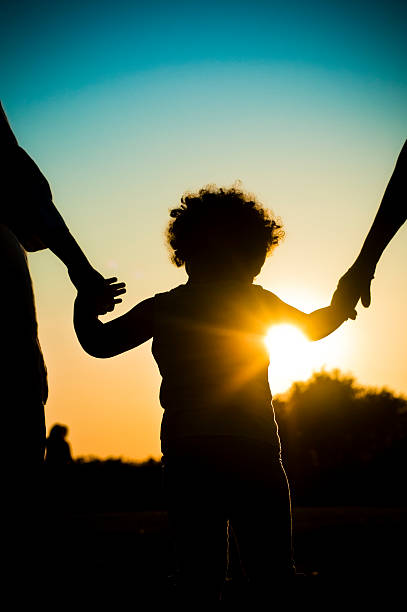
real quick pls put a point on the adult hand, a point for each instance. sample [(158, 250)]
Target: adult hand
[(353, 286), (356, 283)]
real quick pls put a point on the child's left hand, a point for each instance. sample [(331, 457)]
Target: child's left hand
[(344, 312), (352, 314)]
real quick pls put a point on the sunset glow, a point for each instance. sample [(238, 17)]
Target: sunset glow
[(293, 357), (127, 105)]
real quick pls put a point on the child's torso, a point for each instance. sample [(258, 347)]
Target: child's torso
[(209, 346)]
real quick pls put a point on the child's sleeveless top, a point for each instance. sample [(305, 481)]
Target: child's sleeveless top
[(208, 342)]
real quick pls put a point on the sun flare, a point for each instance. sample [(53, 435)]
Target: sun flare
[(293, 357)]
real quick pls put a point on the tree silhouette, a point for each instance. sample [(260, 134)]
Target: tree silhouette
[(343, 443)]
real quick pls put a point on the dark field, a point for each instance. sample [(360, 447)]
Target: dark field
[(127, 554), (344, 451)]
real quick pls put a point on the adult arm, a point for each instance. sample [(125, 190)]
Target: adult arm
[(28, 210), (390, 217)]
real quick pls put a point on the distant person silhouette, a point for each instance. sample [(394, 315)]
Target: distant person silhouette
[(58, 462), (392, 213), (58, 450), (29, 221), (220, 443)]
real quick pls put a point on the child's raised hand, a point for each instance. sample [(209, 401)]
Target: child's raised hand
[(344, 313), (107, 296), (346, 297), (352, 314), (102, 297)]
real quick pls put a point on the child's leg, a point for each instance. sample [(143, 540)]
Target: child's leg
[(198, 524), (200, 551), (261, 520)]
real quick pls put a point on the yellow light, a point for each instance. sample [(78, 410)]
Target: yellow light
[(293, 357), (284, 340)]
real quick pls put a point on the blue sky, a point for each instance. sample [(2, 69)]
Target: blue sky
[(125, 105), (49, 48)]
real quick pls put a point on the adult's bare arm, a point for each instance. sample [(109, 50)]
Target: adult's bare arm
[(28, 210), (392, 213)]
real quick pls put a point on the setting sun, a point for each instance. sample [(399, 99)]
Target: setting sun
[(293, 357)]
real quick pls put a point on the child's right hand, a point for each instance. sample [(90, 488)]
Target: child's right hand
[(102, 297), (107, 295)]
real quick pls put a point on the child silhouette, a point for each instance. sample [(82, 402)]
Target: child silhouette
[(220, 444)]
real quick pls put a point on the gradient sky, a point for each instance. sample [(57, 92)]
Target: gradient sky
[(125, 105)]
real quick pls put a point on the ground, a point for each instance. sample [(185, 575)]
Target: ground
[(127, 554)]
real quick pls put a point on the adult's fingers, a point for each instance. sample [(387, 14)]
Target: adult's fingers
[(365, 295)]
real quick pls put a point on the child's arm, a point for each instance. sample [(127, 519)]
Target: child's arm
[(315, 325), (117, 336), (320, 323)]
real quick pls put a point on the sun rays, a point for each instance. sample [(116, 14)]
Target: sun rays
[(293, 357)]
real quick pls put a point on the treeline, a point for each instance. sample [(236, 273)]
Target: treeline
[(109, 485), (342, 444)]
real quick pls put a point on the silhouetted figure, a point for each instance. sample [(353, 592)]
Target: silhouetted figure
[(392, 213), (59, 484), (29, 221), (219, 437), (58, 462), (58, 450)]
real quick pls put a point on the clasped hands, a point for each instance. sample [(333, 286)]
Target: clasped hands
[(353, 286), (100, 294)]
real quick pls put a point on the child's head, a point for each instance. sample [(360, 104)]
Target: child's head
[(220, 232)]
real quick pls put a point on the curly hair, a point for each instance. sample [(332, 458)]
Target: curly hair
[(215, 223)]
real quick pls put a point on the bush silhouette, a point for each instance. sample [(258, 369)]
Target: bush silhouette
[(343, 443)]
